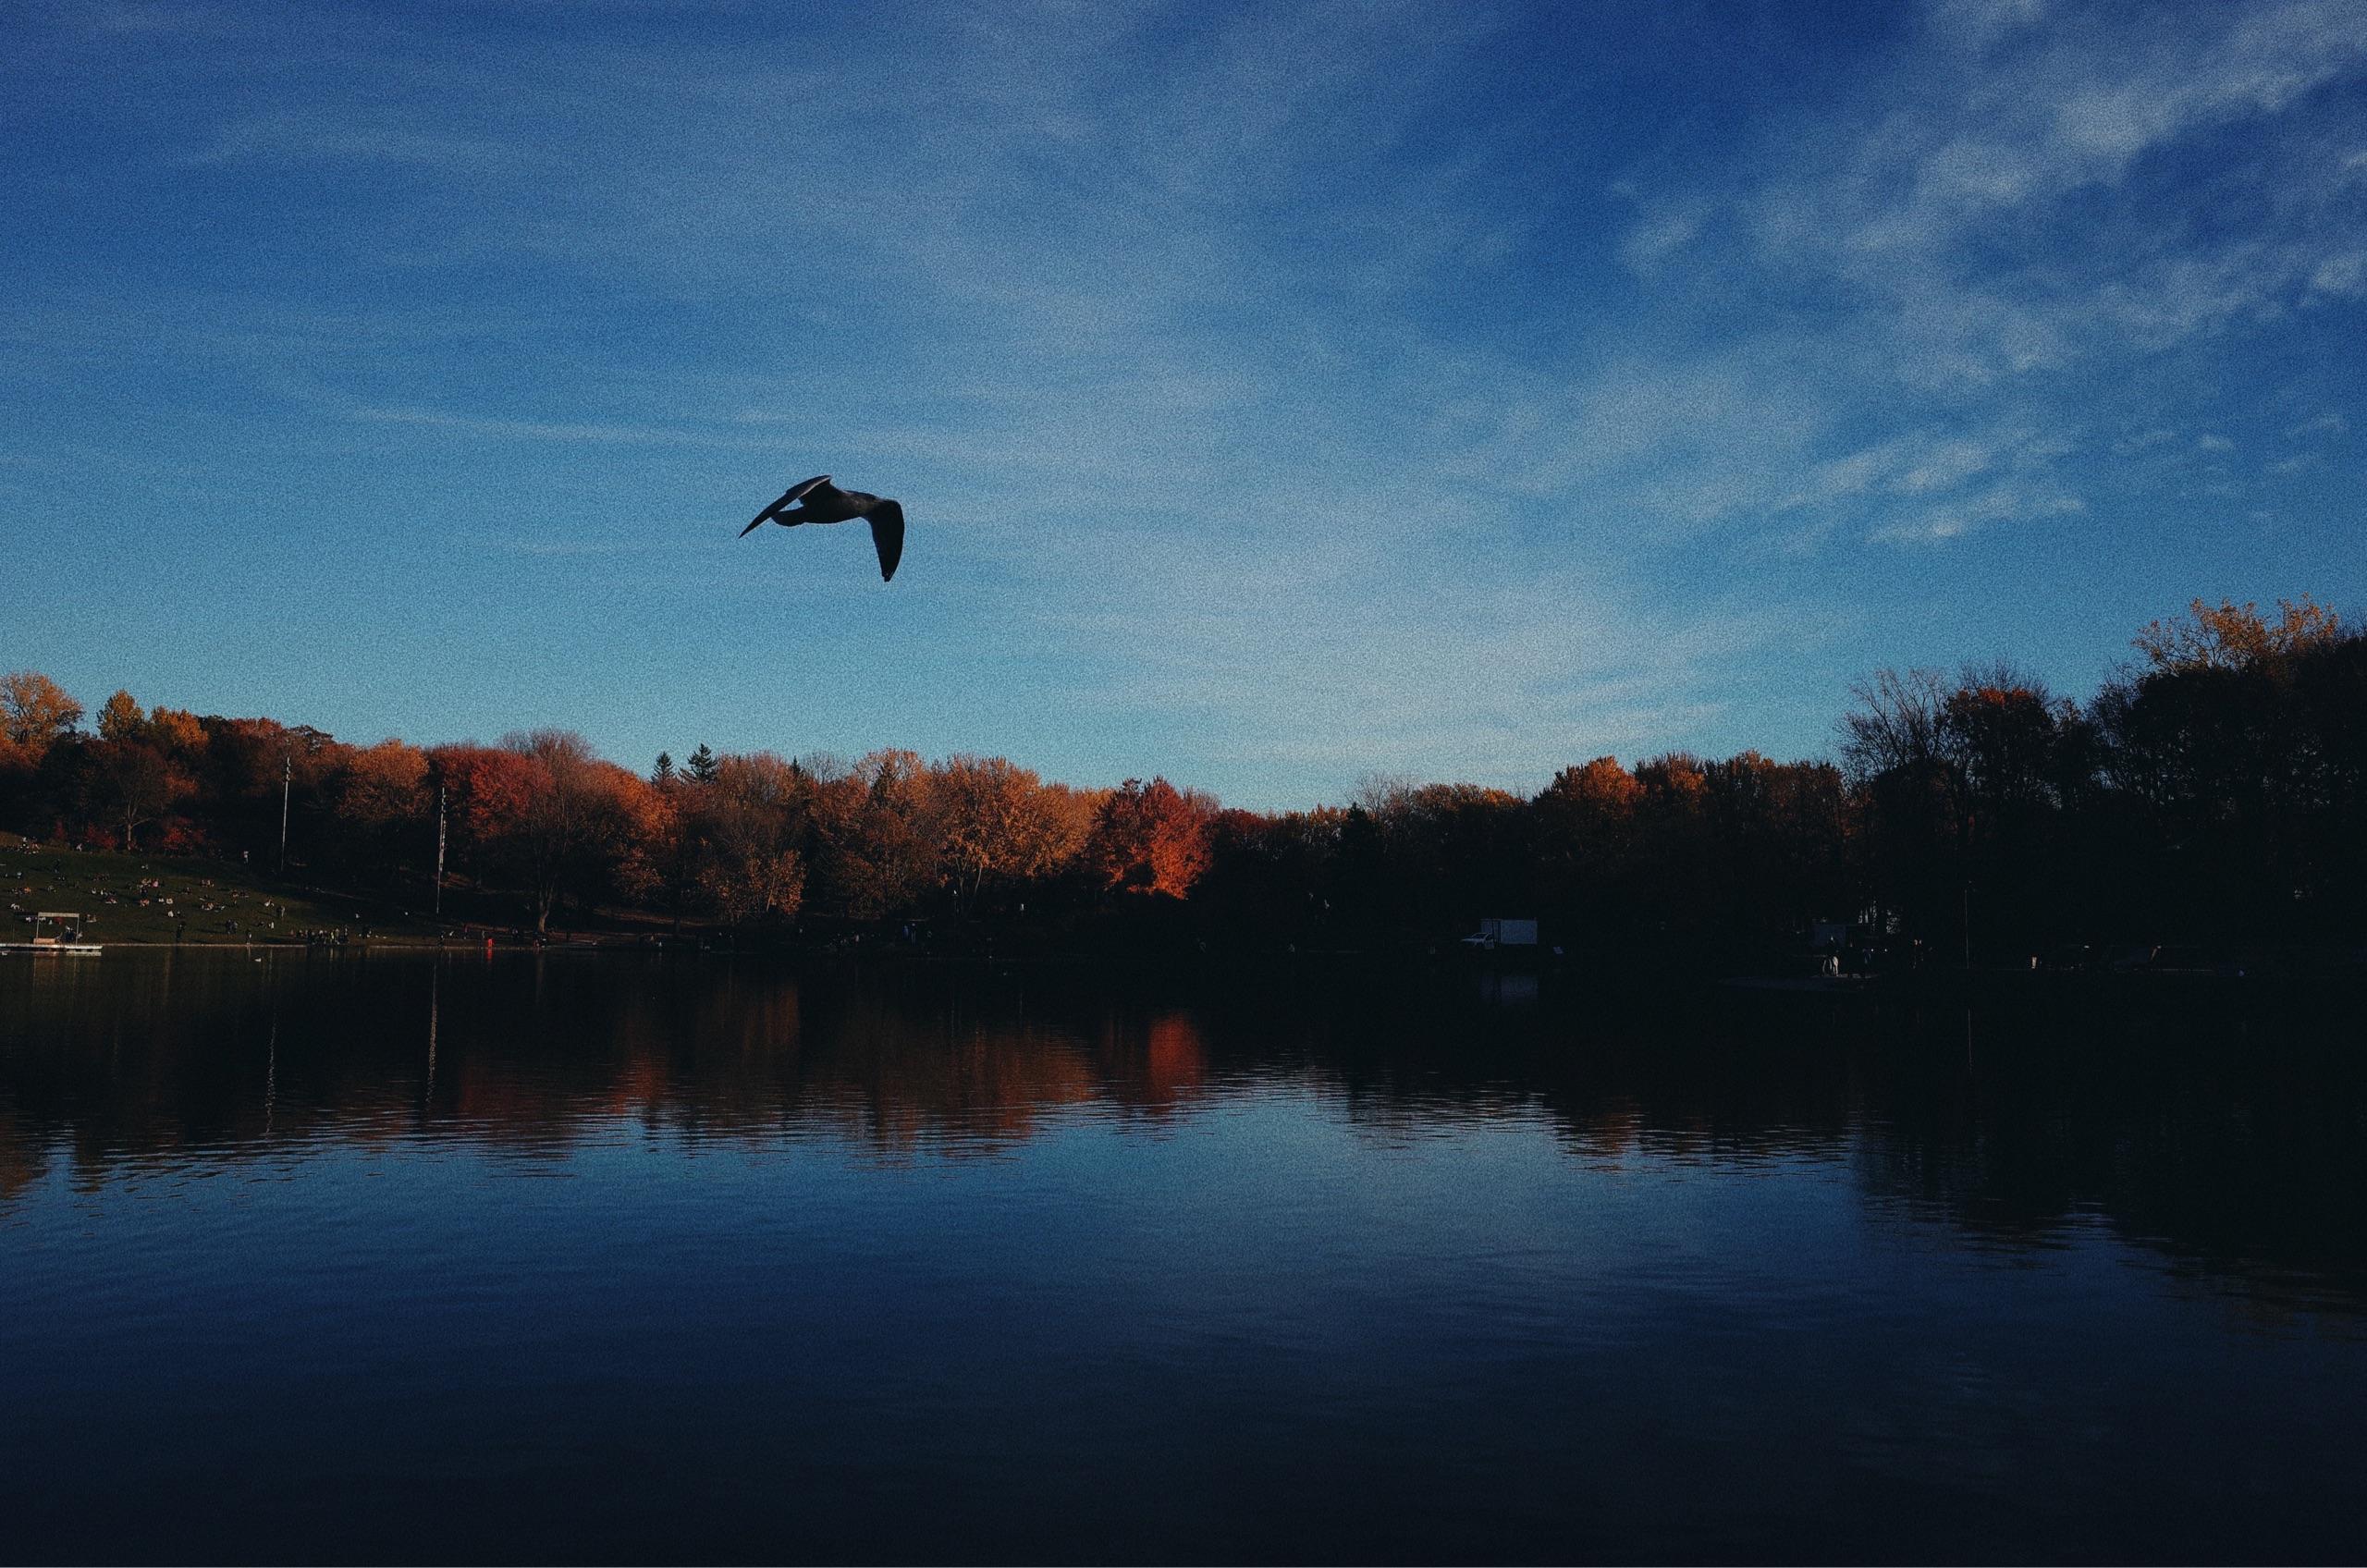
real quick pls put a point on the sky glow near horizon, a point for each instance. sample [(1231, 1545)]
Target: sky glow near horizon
[(1279, 396)]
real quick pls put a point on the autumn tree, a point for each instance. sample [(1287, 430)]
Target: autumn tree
[(577, 829), (2232, 776), (1150, 839), (179, 733), (488, 790), (383, 783), (138, 782), (1585, 826), (121, 719), (131, 781), (1598, 796), (645, 824), (379, 797), (34, 713), (749, 824), (747, 888), (2237, 637), (877, 833), (999, 823)]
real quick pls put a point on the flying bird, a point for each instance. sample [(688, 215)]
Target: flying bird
[(818, 501)]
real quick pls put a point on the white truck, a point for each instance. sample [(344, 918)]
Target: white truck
[(1495, 933)]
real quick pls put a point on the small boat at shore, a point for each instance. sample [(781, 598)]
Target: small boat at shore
[(56, 932)]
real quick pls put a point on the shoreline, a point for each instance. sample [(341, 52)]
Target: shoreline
[(1630, 975)]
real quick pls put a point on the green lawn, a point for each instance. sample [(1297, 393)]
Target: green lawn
[(137, 897)]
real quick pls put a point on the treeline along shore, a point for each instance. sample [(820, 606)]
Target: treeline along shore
[(2207, 807)]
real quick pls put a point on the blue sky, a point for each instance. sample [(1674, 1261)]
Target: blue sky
[(1281, 395)]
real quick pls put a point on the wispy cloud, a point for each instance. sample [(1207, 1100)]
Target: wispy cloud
[(294, 138), (1985, 505), (1662, 233), (2023, 203), (539, 430)]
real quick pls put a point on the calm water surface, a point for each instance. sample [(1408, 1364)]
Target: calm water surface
[(589, 1258)]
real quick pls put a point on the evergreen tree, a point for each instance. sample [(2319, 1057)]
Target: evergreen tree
[(701, 766), (663, 773)]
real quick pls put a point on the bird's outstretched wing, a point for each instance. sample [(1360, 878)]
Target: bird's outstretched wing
[(788, 497), (887, 537)]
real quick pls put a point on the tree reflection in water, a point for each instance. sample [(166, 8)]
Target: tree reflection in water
[(2235, 1147)]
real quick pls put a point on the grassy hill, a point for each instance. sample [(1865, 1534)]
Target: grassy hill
[(137, 897)]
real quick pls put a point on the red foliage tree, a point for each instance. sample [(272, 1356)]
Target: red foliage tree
[(1150, 839), (487, 792)]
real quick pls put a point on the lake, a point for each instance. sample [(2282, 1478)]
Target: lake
[(405, 1258)]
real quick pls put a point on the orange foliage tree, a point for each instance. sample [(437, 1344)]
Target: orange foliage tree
[(748, 822), (877, 831), (378, 804), (999, 822), (2232, 636), (1150, 839), (575, 836), (382, 784), (487, 793), (34, 713), (137, 781)]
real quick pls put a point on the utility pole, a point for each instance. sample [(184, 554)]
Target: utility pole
[(439, 851), (286, 780)]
